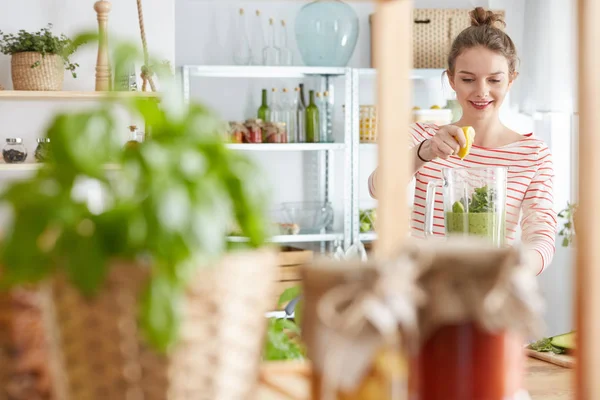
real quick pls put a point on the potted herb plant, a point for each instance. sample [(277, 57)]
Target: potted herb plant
[(568, 230), (38, 58), (147, 296)]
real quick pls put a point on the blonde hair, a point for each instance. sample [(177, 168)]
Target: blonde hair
[(484, 32)]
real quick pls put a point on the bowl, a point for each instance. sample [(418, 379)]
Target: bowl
[(310, 217)]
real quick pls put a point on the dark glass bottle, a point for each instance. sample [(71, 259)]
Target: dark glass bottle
[(312, 120), (264, 112)]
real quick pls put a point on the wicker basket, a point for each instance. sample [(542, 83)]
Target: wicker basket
[(25, 359), (48, 75), (220, 345), (368, 124)]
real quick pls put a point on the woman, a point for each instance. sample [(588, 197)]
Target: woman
[(481, 70)]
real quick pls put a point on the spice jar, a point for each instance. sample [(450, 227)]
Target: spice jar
[(237, 132), (42, 151), (14, 152), (135, 137), (481, 304), (255, 130), (274, 132)]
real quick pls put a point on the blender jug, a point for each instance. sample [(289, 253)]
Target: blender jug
[(474, 203)]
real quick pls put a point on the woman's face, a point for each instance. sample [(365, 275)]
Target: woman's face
[(481, 81)]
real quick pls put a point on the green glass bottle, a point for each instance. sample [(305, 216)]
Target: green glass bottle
[(312, 120), (264, 112)]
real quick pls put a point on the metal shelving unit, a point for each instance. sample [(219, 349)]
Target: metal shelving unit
[(321, 155), (324, 152)]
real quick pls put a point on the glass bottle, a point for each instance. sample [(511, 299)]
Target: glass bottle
[(300, 116), (322, 120), (257, 42), (264, 112), (135, 137), (293, 116), (288, 113), (327, 118), (242, 54), (275, 107), (312, 119), (286, 56), (271, 51), (302, 95)]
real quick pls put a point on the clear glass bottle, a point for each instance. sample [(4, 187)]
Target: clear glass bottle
[(322, 120), (300, 116), (288, 113), (14, 152), (42, 151), (292, 109), (275, 106), (264, 112), (286, 56), (327, 118), (135, 137), (312, 119), (302, 98), (242, 54), (271, 53), (257, 41)]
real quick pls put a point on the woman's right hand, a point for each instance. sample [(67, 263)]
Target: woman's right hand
[(447, 141)]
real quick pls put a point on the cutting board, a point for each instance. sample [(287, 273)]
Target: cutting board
[(563, 360)]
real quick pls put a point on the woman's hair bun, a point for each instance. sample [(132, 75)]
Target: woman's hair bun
[(481, 17)]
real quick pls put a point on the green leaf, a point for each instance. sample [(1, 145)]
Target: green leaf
[(160, 313), (289, 294), (86, 265)]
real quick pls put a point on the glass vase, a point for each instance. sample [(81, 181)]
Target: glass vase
[(326, 33)]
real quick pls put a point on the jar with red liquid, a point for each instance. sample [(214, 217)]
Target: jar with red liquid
[(255, 131), (275, 132), (481, 305)]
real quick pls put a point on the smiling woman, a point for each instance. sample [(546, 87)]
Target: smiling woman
[(482, 67)]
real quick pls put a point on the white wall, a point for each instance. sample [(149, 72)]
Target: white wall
[(29, 119)]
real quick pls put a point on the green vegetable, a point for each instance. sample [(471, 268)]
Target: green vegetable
[(43, 42), (458, 208), (565, 341), (367, 219), (557, 344), (283, 341), (568, 229), (171, 202)]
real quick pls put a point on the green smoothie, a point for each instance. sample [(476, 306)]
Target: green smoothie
[(481, 219)]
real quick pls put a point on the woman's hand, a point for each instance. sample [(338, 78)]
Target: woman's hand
[(446, 142)]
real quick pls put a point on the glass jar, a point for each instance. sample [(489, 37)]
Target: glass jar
[(255, 131), (135, 137), (237, 132), (14, 152), (42, 151)]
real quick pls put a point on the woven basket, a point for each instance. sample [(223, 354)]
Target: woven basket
[(48, 75), (25, 359), (368, 124), (218, 353)]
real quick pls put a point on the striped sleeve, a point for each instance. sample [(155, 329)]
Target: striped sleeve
[(538, 224), (418, 133)]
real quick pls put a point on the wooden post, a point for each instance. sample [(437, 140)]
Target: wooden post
[(103, 74), (587, 278), (393, 58)]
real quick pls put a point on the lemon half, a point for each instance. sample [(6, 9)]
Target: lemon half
[(469, 133)]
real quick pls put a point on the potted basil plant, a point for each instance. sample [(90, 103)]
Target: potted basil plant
[(146, 295)]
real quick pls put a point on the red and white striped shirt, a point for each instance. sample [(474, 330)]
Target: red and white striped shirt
[(529, 188)]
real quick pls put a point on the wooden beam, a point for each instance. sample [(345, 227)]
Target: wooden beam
[(393, 58), (587, 278)]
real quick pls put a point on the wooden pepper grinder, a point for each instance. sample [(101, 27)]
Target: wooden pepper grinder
[(103, 73)]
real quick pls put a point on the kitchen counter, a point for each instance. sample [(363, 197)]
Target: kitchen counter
[(290, 381)]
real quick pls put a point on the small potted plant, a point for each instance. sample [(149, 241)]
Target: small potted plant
[(147, 299), (568, 230), (38, 59)]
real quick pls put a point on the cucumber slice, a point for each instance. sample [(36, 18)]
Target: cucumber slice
[(565, 341)]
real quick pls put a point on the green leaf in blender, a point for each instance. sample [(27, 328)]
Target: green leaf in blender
[(458, 207)]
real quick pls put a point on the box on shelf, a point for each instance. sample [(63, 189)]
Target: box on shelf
[(290, 259), (434, 31)]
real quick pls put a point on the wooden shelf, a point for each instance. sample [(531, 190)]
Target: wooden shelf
[(71, 95)]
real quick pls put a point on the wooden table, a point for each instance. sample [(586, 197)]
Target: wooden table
[(290, 381)]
